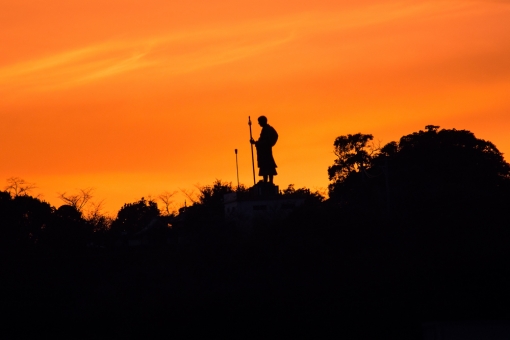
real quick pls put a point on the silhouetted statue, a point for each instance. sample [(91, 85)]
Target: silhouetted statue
[(265, 161)]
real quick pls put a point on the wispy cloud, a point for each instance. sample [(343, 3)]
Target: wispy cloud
[(205, 47)]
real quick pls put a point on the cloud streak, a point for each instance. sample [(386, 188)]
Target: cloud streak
[(204, 48)]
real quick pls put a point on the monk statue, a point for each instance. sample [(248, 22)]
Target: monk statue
[(265, 160)]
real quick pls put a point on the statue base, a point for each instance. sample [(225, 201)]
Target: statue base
[(264, 189)]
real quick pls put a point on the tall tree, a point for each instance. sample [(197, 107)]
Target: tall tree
[(354, 153)]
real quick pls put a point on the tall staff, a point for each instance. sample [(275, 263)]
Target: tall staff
[(252, 159), (237, 169)]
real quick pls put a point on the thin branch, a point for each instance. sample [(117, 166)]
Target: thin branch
[(166, 199), (190, 194), (79, 200), (19, 187)]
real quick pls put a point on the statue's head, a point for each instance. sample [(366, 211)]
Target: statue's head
[(262, 120)]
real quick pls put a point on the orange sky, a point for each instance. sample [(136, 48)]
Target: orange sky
[(135, 98)]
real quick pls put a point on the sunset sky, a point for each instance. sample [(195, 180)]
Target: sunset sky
[(134, 98)]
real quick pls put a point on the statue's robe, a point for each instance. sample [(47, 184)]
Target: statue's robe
[(265, 160)]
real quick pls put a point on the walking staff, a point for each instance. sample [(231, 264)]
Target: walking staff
[(252, 159), (237, 169)]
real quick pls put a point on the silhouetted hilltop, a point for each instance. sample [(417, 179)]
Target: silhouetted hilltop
[(414, 232)]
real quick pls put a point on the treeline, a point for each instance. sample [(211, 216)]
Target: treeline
[(413, 231), (29, 222)]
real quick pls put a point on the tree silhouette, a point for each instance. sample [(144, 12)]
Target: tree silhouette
[(24, 218), (307, 194), (166, 198), (68, 233), (78, 200), (426, 172), (133, 217), (19, 187), (354, 153), (444, 158), (207, 210), (442, 252), (212, 195), (97, 219)]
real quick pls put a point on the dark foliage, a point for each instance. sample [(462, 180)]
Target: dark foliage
[(413, 232), (133, 217), (353, 153), (207, 212), (24, 219), (424, 167), (428, 217)]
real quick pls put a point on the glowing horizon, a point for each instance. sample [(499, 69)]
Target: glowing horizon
[(136, 99)]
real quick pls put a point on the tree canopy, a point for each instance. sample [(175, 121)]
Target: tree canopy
[(424, 171), (133, 217), (447, 155), (352, 152)]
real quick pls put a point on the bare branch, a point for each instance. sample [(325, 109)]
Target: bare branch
[(373, 148), (99, 221), (79, 200), (190, 194), (19, 187), (95, 210), (166, 199)]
